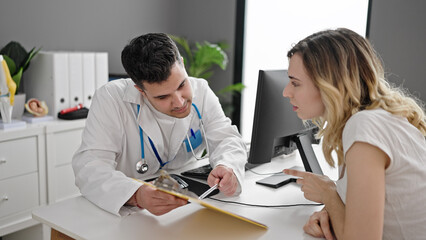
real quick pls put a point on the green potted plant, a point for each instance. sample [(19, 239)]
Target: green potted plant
[(18, 60), (200, 58)]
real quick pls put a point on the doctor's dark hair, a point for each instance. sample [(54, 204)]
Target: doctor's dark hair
[(149, 58), (350, 77)]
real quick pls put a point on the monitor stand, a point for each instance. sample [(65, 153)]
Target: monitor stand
[(307, 153), (309, 160)]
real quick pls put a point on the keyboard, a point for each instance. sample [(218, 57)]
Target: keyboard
[(200, 172)]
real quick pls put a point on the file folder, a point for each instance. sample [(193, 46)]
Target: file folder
[(89, 78), (65, 79), (75, 73), (101, 68), (47, 80)]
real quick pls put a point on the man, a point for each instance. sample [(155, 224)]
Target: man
[(149, 122)]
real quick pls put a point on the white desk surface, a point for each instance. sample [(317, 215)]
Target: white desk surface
[(80, 219)]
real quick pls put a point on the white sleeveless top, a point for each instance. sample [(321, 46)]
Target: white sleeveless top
[(405, 178)]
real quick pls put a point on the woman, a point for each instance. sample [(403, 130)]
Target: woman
[(377, 133)]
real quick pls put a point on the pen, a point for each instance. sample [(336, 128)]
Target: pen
[(72, 109), (192, 133), (204, 195)]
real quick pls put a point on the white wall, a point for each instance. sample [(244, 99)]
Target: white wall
[(272, 26)]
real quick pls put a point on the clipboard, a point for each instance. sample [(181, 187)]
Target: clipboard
[(204, 204)]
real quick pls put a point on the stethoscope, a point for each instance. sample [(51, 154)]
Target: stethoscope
[(142, 166)]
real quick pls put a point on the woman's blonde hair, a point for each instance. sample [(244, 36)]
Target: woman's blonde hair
[(350, 77)]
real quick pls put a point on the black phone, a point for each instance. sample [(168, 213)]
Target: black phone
[(277, 180)]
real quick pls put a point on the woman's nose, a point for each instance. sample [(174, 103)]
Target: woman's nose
[(286, 91)]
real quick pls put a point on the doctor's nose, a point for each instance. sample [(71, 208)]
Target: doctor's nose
[(178, 100)]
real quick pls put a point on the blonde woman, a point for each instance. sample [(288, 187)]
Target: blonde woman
[(377, 133)]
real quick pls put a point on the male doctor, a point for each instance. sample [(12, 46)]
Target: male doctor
[(153, 121)]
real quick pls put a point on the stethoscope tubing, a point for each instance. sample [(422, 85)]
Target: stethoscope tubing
[(142, 167)]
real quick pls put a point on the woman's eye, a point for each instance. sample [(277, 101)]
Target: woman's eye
[(295, 84)]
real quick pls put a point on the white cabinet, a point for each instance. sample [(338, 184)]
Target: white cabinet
[(22, 177), (35, 170), (62, 140)]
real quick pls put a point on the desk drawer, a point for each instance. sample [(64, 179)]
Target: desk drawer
[(18, 194), (18, 157)]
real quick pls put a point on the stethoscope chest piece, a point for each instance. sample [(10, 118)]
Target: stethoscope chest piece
[(141, 167)]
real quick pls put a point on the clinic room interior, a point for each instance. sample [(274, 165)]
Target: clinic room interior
[(38, 189)]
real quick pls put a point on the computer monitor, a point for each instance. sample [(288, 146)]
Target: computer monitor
[(276, 128)]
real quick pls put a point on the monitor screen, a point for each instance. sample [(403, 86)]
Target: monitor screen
[(276, 128)]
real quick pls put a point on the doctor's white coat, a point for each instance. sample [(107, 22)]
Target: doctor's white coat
[(106, 160)]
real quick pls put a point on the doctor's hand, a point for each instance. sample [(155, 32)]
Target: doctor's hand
[(315, 187), (157, 202), (319, 225), (226, 178)]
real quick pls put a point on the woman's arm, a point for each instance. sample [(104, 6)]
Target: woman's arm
[(362, 216), (365, 199)]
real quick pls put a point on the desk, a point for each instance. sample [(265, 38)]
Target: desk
[(80, 219)]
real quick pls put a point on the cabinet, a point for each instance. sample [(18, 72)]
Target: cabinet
[(35, 170), (62, 140)]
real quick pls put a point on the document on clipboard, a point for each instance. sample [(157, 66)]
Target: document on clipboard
[(191, 197)]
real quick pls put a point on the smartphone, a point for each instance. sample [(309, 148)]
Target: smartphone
[(279, 179), (276, 180)]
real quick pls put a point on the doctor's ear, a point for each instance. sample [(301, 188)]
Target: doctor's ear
[(140, 89)]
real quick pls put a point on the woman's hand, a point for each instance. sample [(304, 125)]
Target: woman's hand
[(315, 187), (319, 225)]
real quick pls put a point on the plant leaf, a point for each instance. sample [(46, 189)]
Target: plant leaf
[(16, 52), (185, 45), (209, 54), (10, 64), (30, 56), (223, 45), (17, 77), (201, 59), (237, 87), (206, 75)]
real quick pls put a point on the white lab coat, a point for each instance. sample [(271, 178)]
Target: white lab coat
[(106, 160)]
